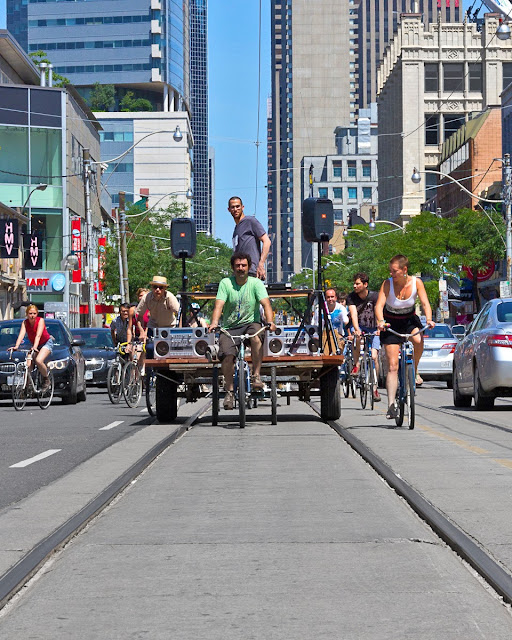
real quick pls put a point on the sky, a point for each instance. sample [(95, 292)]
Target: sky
[(234, 106)]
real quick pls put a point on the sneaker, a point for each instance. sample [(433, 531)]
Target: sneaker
[(419, 380), (392, 413), (257, 383), (46, 385), (229, 401), (355, 370), (376, 395)]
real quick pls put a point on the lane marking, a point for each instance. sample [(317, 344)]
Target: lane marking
[(457, 441), (111, 425), (504, 462), (40, 456)]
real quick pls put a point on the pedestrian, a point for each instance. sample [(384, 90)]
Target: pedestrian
[(249, 237)]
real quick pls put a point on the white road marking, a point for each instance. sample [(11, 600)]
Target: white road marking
[(145, 410), (40, 456), (112, 425)]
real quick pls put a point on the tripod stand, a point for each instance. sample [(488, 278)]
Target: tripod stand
[(330, 345)]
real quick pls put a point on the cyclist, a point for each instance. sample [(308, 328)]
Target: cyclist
[(238, 302), (361, 307), (163, 308), (396, 306), (35, 329), (119, 328)]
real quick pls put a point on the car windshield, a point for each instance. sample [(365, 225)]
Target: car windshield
[(439, 331), (505, 312), (9, 333), (94, 339)]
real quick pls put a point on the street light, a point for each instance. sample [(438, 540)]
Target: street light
[(177, 135), (372, 224), (40, 187), (503, 31)]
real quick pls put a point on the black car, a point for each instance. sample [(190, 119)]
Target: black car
[(98, 352), (66, 362)]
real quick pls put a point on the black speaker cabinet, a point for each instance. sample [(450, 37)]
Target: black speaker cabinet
[(183, 238), (317, 219)]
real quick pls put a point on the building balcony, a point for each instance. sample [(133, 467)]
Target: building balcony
[(156, 26), (156, 76), (156, 4), (156, 51)]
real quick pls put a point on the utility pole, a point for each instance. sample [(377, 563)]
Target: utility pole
[(122, 247), (507, 201), (90, 247)]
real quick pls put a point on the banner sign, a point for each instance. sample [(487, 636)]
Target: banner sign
[(9, 241), (76, 247), (33, 249), (102, 245)]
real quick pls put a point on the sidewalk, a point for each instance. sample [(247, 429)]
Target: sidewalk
[(268, 532)]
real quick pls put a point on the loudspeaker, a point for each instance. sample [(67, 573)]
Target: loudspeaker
[(182, 342), (317, 219), (183, 238), (278, 342)]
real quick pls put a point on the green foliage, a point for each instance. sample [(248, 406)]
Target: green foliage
[(129, 103), (148, 244), (102, 97), (42, 56)]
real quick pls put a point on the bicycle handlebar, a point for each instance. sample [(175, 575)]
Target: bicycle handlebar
[(244, 336)]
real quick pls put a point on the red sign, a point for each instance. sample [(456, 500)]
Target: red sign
[(76, 247), (102, 245), (484, 273)]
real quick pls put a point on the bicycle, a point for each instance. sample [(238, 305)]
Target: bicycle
[(367, 377), (242, 380), (115, 374), (406, 379), (28, 383), (132, 377), (347, 380)]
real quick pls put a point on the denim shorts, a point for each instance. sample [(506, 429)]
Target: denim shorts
[(48, 345)]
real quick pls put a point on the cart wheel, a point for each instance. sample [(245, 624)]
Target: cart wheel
[(166, 398), (273, 394), (215, 395), (330, 394)]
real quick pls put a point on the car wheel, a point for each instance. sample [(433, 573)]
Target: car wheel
[(458, 399), (72, 395), (449, 383), (482, 402), (82, 395)]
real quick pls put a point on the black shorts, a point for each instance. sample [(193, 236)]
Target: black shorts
[(400, 325), (226, 345)]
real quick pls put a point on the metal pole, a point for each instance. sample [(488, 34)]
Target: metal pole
[(90, 248), (121, 281), (507, 200), (122, 246)]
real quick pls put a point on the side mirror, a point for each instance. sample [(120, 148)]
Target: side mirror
[(78, 342)]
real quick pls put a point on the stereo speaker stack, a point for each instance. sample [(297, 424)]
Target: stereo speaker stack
[(278, 342), (182, 342)]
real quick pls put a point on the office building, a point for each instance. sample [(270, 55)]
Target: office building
[(313, 64), (377, 22)]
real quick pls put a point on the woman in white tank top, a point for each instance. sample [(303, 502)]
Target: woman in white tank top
[(396, 306)]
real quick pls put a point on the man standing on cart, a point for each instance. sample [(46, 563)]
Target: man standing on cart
[(238, 302), (249, 237)]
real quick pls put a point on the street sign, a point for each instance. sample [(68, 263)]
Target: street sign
[(505, 289)]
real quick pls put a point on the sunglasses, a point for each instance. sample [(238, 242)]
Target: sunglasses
[(158, 286)]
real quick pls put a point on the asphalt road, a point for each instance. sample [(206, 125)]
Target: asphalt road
[(48, 444)]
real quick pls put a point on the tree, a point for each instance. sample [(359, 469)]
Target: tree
[(102, 97), (41, 56), (129, 103)]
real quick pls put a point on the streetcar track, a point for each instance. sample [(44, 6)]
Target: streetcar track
[(460, 542), (15, 578), (462, 414)]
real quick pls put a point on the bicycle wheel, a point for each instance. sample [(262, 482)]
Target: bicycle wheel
[(273, 394), (409, 408), (44, 398), (363, 381), (132, 385), (372, 383), (241, 393), (401, 393), (151, 391), (114, 380), (19, 395)]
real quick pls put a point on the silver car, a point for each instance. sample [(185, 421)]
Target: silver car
[(482, 364), (436, 361)]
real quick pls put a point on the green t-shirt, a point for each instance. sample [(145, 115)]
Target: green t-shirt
[(242, 303)]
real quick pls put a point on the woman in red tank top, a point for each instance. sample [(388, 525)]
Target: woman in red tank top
[(42, 342)]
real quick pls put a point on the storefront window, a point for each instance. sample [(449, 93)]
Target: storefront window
[(50, 224), (46, 155), (14, 155)]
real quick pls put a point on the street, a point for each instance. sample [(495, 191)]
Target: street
[(275, 531)]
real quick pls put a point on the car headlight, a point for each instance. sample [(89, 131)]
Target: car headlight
[(58, 364)]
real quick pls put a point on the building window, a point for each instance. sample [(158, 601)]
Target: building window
[(336, 169), (453, 76), (431, 78), (46, 155), (338, 215), (367, 169), (14, 155), (352, 193), (351, 168), (475, 76), (432, 129), (322, 192), (507, 74), (452, 122), (367, 193), (338, 193), (430, 185)]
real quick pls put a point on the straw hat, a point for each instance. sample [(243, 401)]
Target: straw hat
[(159, 280)]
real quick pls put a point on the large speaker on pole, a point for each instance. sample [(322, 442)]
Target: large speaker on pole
[(317, 219), (183, 238)]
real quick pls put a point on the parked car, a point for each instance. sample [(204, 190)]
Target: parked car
[(437, 358), (98, 352), (482, 363), (458, 330), (66, 362)]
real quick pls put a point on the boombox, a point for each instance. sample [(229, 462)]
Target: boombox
[(187, 342), (278, 342)]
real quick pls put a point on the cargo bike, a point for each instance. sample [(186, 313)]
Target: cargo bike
[(301, 361)]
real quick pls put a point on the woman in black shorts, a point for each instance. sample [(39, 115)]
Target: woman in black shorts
[(396, 306)]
